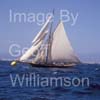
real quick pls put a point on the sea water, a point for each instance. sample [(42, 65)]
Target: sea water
[(23, 82)]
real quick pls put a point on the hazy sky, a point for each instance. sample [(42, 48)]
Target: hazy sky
[(84, 35)]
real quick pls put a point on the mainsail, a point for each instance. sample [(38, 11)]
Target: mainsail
[(61, 49)]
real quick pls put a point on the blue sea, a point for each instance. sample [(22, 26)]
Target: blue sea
[(69, 91)]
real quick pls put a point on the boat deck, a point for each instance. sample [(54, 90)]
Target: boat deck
[(52, 65)]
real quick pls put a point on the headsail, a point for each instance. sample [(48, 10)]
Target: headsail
[(42, 31), (41, 55), (61, 50), (30, 51), (37, 42)]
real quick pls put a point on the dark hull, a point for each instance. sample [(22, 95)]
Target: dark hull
[(51, 65)]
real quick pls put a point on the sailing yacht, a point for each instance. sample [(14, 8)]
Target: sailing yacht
[(51, 49)]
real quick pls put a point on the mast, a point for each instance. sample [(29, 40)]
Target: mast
[(50, 37)]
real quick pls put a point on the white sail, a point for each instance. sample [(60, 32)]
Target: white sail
[(43, 31), (41, 56), (30, 51), (33, 49), (37, 42), (61, 50)]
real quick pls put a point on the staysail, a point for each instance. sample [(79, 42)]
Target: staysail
[(61, 49), (41, 55), (43, 30), (30, 51), (37, 42)]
